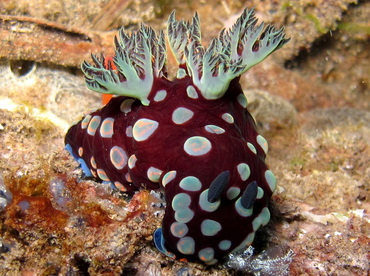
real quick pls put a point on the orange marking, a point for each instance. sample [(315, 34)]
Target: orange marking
[(108, 62), (106, 98)]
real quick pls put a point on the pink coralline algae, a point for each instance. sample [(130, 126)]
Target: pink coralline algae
[(191, 136)]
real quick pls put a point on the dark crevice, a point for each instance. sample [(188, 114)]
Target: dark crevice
[(318, 46)]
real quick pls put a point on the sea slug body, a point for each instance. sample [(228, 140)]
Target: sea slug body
[(191, 136)]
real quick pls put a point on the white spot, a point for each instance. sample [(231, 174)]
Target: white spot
[(186, 245), (184, 215), (106, 128), (93, 173), (102, 175), (168, 177), (192, 93), (85, 121), (263, 143), (93, 125), (224, 245), (143, 129), (241, 210), (118, 157), (178, 229), (180, 204), (244, 171), (271, 180), (154, 174), (214, 129), (260, 193), (262, 219), (93, 162), (126, 105), (160, 96), (128, 177), (242, 100), (180, 201), (252, 147), (190, 183), (181, 73), (206, 255), (210, 227), (181, 115), (132, 161), (197, 145), (228, 118), (129, 131), (232, 193), (120, 186), (205, 204), (246, 242)]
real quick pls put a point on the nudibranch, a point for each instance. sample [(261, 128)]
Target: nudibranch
[(191, 136)]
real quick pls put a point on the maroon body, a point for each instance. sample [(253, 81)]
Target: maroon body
[(164, 151), (192, 137)]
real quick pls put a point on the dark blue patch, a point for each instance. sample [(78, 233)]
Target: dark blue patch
[(159, 243), (82, 162), (84, 167), (217, 186), (249, 196), (70, 150)]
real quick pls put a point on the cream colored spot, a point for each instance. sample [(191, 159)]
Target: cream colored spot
[(118, 157), (126, 105), (262, 219), (228, 118), (181, 115), (106, 128), (168, 177), (85, 121), (154, 174), (160, 96), (197, 145), (181, 73), (271, 180), (210, 227), (252, 147), (129, 131), (102, 175), (93, 162), (263, 143), (214, 129), (128, 177), (242, 100), (186, 245), (143, 129), (178, 229), (93, 125), (120, 186), (192, 93), (132, 161), (244, 171)]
